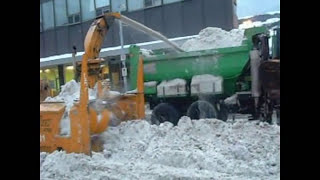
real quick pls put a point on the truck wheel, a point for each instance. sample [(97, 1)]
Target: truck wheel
[(201, 110), (165, 112), (223, 113), (278, 117)]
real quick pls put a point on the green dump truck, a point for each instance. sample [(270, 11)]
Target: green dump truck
[(204, 84)]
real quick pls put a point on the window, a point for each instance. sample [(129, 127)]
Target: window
[(48, 20), (118, 5), (60, 9), (170, 1), (135, 5), (102, 3), (73, 7), (73, 11), (151, 3), (87, 9), (102, 6), (102, 10), (75, 18)]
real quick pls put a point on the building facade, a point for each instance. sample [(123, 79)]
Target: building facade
[(64, 24)]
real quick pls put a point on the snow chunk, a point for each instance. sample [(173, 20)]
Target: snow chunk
[(206, 83), (150, 84), (172, 87), (146, 52)]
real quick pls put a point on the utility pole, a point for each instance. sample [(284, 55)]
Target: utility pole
[(74, 53), (123, 55)]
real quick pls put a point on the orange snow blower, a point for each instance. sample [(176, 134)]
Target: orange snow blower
[(86, 121)]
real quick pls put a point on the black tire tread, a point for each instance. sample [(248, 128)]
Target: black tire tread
[(171, 113)]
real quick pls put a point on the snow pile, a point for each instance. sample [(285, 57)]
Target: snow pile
[(213, 38), (146, 52), (172, 87), (231, 100), (70, 92), (250, 24), (206, 83), (132, 91), (150, 84), (112, 94), (174, 82), (269, 13), (202, 149)]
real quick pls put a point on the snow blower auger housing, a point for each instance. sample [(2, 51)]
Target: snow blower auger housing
[(84, 119)]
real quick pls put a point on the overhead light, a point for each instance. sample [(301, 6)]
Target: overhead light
[(47, 70), (70, 67)]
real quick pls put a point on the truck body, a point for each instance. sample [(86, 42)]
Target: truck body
[(170, 79)]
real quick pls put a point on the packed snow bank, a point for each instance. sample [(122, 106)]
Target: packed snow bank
[(213, 38), (202, 149)]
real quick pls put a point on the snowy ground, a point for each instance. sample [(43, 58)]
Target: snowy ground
[(202, 149), (194, 149), (207, 149)]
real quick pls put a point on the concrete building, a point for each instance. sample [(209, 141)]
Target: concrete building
[(64, 23)]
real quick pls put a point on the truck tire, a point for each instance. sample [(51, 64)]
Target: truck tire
[(278, 117), (223, 113), (201, 110), (165, 112)]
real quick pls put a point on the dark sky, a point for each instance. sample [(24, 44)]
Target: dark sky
[(254, 7)]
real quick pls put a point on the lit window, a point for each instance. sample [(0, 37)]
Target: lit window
[(48, 20), (88, 11), (60, 8), (69, 67), (118, 5), (135, 5)]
